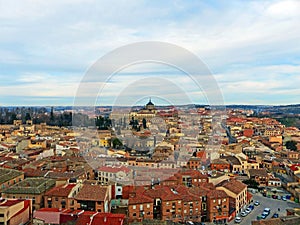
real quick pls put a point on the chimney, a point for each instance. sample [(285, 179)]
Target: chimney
[(132, 194)]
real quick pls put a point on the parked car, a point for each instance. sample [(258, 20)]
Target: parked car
[(244, 214), (283, 198), (251, 207), (264, 215), (256, 203), (238, 219), (258, 217), (275, 215), (267, 211), (248, 210)]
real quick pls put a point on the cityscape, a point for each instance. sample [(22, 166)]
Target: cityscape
[(149, 112), (176, 170)]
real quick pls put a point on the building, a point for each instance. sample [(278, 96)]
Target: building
[(62, 197), (218, 206), (140, 207), (259, 175), (220, 165), (235, 164), (236, 190), (9, 177), (191, 178), (194, 163), (15, 212), (93, 197), (30, 188), (61, 217), (96, 218), (164, 203), (107, 174)]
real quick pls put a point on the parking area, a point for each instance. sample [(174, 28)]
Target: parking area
[(276, 206)]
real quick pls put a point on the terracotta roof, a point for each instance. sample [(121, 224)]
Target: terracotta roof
[(295, 167), (219, 161), (92, 193), (200, 191), (258, 172), (100, 218), (233, 185), (217, 194), (10, 202), (61, 191), (232, 160), (111, 169), (139, 199)]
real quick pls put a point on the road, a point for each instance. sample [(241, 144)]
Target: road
[(265, 202)]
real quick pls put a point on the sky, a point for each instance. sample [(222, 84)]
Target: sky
[(252, 49)]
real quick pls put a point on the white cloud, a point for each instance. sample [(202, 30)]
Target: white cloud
[(244, 43)]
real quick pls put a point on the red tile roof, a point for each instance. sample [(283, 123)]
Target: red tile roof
[(217, 194), (9, 202), (92, 193), (61, 191), (233, 185), (111, 169), (100, 218)]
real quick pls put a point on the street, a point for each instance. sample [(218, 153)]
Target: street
[(265, 202)]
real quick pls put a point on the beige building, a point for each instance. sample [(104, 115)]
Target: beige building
[(237, 190), (15, 211)]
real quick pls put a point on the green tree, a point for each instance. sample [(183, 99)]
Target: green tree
[(116, 143), (251, 183), (144, 123), (27, 116), (292, 145)]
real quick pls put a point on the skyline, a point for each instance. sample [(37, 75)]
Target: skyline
[(251, 48)]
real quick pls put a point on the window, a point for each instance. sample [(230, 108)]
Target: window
[(214, 201), (134, 207), (56, 198), (148, 206), (141, 207), (134, 214), (224, 200)]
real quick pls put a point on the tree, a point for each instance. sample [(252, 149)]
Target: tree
[(144, 123), (251, 183), (117, 143), (292, 145), (27, 116)]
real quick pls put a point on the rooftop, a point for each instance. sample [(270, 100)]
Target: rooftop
[(92, 192), (8, 174), (233, 185), (61, 191), (258, 172), (31, 186)]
